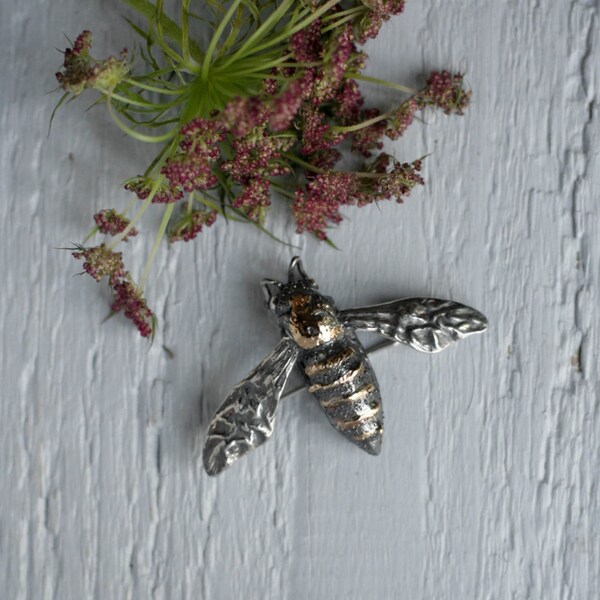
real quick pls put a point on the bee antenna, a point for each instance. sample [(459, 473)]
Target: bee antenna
[(271, 289), (296, 271)]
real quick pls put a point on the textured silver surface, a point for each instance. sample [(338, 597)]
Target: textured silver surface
[(426, 324), (245, 420), (332, 361)]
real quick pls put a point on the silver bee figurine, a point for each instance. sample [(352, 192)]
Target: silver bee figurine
[(321, 340)]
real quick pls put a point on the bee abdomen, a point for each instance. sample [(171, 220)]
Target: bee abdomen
[(358, 416), (346, 388)]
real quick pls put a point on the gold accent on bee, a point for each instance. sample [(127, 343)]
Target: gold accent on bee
[(321, 341), (331, 363), (368, 412), (345, 378)]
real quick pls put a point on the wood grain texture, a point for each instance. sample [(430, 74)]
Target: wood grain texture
[(487, 485)]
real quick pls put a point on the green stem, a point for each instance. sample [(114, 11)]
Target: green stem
[(159, 235), (172, 31), (90, 235), (215, 38), (136, 218), (337, 23), (282, 190), (151, 88), (128, 207), (142, 137), (185, 38), (394, 86), (295, 28), (133, 102), (362, 125), (349, 11), (302, 163), (265, 66), (268, 24)]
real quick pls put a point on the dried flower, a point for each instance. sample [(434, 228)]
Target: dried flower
[(307, 44), (261, 112), (319, 204), (445, 91), (129, 299), (110, 222), (398, 181), (287, 104), (191, 224), (380, 10), (100, 261), (142, 187), (401, 119), (368, 138), (80, 71)]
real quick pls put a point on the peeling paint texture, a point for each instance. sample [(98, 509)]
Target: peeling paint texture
[(487, 485)]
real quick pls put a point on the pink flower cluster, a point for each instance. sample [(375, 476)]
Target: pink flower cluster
[(164, 194), (445, 91), (101, 262), (190, 225), (81, 72), (380, 11), (129, 299), (191, 168), (110, 222), (318, 205)]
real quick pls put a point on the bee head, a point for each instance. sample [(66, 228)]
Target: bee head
[(279, 295), (301, 310)]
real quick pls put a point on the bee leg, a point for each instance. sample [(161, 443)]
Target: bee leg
[(271, 289)]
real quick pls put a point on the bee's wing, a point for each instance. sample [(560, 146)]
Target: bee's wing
[(426, 324), (245, 420)]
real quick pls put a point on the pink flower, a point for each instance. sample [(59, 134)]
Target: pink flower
[(401, 119), (129, 299), (192, 167), (192, 224), (369, 138), (287, 104), (323, 159), (256, 193), (318, 205), (100, 261), (257, 154), (396, 182), (165, 193), (81, 72), (242, 115), (110, 222), (189, 172), (331, 77), (316, 131), (348, 103), (445, 91), (307, 44), (380, 11)]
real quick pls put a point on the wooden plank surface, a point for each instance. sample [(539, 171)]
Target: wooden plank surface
[(487, 486)]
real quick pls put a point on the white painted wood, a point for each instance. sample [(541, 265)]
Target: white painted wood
[(487, 486)]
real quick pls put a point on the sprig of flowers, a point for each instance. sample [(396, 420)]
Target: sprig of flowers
[(258, 114)]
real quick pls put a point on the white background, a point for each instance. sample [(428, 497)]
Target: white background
[(487, 485)]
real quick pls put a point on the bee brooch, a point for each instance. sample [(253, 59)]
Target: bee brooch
[(321, 340)]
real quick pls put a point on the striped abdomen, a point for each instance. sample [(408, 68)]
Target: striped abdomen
[(340, 376)]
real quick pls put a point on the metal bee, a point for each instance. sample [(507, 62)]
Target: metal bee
[(321, 340)]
